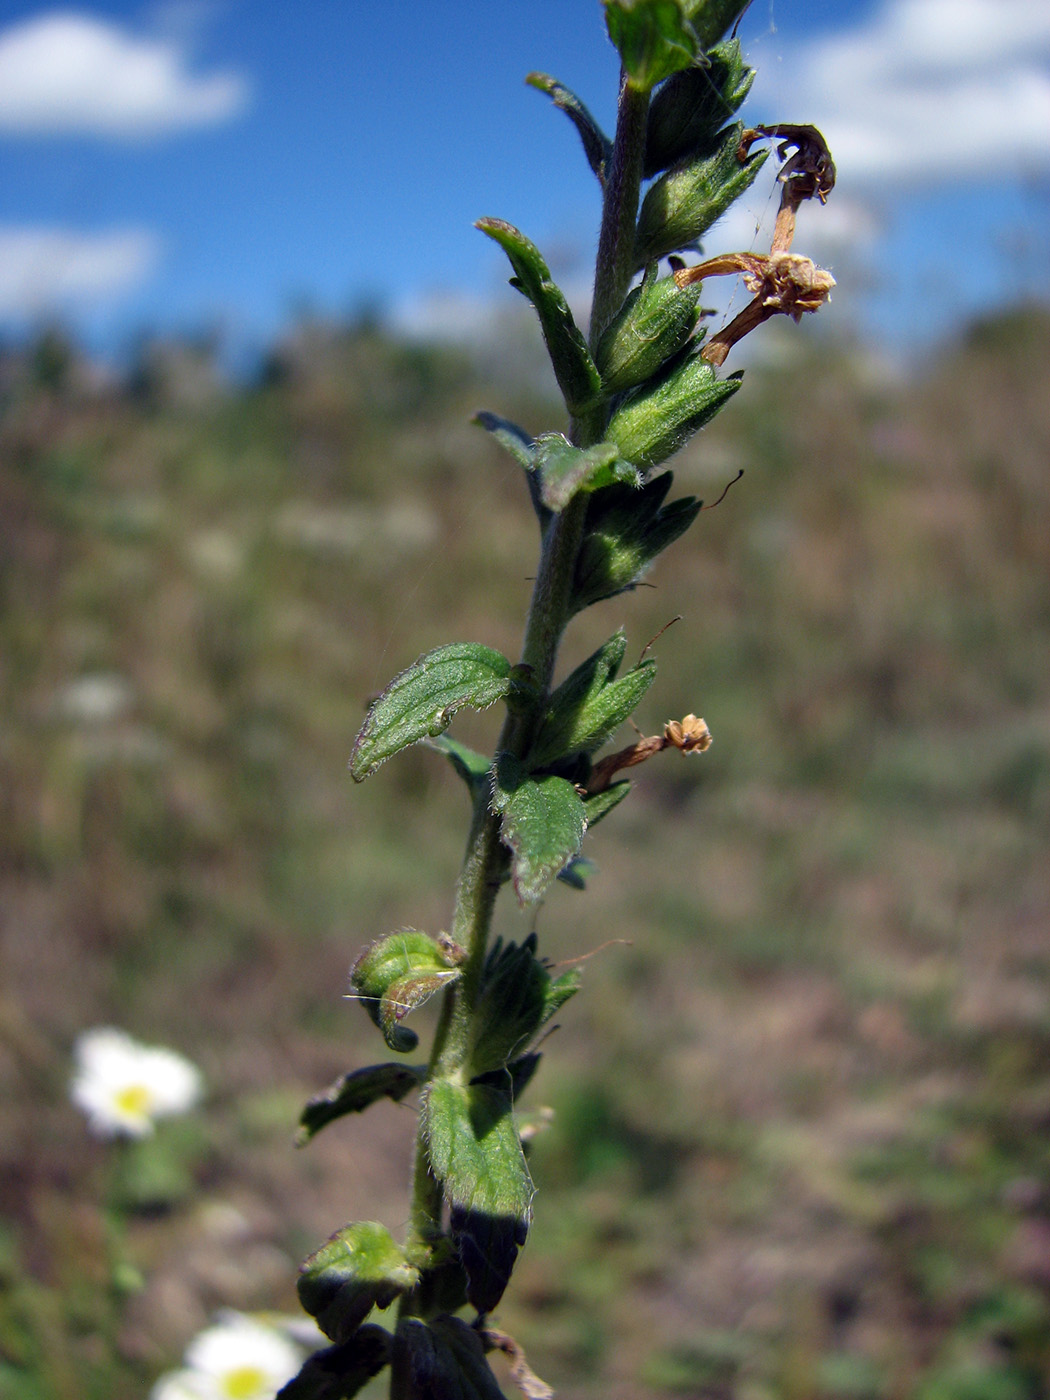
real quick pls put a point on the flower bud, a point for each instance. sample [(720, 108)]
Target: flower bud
[(658, 419), (683, 203), (653, 324)]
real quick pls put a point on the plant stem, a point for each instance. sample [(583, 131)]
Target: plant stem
[(484, 864), (615, 265)]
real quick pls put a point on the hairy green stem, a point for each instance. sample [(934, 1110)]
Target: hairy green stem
[(484, 864), (615, 265)]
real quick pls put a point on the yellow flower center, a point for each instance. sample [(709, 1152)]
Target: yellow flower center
[(244, 1383), (135, 1100)]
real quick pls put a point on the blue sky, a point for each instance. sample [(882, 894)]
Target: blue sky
[(199, 164)]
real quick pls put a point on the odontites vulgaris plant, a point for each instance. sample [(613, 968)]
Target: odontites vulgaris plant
[(636, 388)]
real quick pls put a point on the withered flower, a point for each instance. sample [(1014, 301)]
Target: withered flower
[(782, 282)]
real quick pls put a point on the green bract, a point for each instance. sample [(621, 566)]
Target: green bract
[(358, 1269), (542, 821)]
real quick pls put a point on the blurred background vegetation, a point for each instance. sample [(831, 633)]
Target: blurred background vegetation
[(800, 1143)]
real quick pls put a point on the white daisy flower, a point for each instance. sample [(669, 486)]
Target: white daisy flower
[(237, 1359), (123, 1085)]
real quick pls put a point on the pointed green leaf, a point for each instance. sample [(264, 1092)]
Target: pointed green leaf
[(356, 1091), (421, 702), (476, 1154), (397, 974), (340, 1372), (359, 1268), (600, 804), (653, 38), (596, 145), (565, 470), (473, 767), (559, 990), (682, 204), (543, 825), (625, 532), (574, 369), (588, 707)]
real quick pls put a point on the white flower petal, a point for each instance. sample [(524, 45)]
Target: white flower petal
[(123, 1086), (243, 1359)]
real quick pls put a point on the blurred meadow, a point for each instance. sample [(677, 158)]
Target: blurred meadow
[(801, 1129)]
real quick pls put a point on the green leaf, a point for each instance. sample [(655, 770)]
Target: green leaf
[(589, 706), (397, 974), (574, 369), (510, 1005), (521, 447), (473, 767), (443, 1359), (421, 701), (359, 1268), (596, 145), (624, 533), (566, 470), (340, 1372), (356, 1091), (653, 38), (476, 1154), (600, 804), (682, 204), (543, 825), (559, 990), (656, 420), (689, 111)]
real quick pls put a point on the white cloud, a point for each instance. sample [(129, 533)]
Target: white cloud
[(929, 89), (44, 270), (65, 72)]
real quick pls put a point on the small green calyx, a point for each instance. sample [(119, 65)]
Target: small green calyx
[(516, 999), (690, 109), (397, 974), (625, 531), (682, 204), (591, 704), (659, 418), (360, 1267), (653, 324)]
